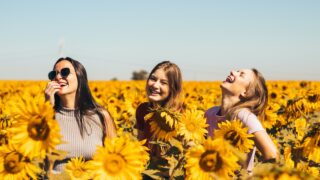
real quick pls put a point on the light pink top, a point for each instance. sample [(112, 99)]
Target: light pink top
[(248, 119)]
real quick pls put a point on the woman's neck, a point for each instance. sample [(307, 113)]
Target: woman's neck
[(156, 104), (227, 102), (68, 101)]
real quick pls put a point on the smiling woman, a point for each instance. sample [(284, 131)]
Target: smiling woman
[(244, 97), (83, 122), (164, 88)]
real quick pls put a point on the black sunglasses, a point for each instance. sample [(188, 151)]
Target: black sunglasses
[(64, 73)]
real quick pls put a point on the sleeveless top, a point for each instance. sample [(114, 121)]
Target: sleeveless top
[(73, 143)]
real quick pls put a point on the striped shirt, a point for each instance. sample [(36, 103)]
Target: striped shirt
[(73, 143)]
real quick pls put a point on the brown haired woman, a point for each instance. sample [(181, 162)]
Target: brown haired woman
[(83, 122), (244, 97), (164, 89)]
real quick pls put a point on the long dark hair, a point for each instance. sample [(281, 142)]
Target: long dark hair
[(84, 101), (174, 76)]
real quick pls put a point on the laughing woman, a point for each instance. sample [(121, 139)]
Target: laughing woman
[(244, 97), (83, 122)]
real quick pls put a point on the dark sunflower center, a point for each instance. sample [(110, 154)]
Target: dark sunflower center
[(303, 84), (3, 139), (13, 163), (284, 87), (39, 130), (233, 137), (273, 95), (210, 161), (314, 98), (5, 122)]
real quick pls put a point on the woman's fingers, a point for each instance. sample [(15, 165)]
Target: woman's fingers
[(52, 88)]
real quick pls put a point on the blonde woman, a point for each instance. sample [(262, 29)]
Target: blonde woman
[(244, 97)]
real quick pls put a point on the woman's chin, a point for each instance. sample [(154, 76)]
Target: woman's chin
[(62, 91), (154, 99)]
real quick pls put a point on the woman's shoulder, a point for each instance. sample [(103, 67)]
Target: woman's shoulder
[(143, 107), (245, 114), (212, 111), (98, 114), (142, 110), (250, 120)]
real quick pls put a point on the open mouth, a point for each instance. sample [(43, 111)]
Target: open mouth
[(63, 84), (153, 92), (230, 79)]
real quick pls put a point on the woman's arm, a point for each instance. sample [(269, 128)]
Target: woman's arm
[(141, 111), (261, 138), (265, 145), (111, 131)]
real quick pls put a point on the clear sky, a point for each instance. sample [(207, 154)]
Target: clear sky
[(206, 39)]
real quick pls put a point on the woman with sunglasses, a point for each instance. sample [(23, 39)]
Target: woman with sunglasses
[(83, 122)]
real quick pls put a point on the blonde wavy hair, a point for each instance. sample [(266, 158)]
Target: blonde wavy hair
[(256, 98)]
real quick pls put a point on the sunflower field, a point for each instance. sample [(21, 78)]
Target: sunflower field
[(29, 135)]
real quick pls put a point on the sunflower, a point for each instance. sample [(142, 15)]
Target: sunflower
[(276, 171), (210, 160), (164, 123), (273, 95), (34, 132), (300, 126), (312, 100), (287, 157), (78, 168), (13, 165), (115, 112), (126, 117), (121, 158), (296, 108), (112, 100), (311, 147), (304, 167), (193, 126), (286, 176), (271, 115), (236, 134)]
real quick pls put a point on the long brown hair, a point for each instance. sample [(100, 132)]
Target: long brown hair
[(173, 73), (256, 98), (84, 101)]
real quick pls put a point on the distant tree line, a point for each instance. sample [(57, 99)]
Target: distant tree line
[(136, 75), (139, 75)]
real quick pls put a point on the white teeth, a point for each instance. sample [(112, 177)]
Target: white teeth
[(63, 84), (230, 79), (154, 91)]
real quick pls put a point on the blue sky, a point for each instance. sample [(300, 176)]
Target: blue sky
[(206, 39)]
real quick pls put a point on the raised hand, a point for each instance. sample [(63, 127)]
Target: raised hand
[(52, 88)]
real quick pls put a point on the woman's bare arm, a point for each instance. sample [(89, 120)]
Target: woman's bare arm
[(265, 145)]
